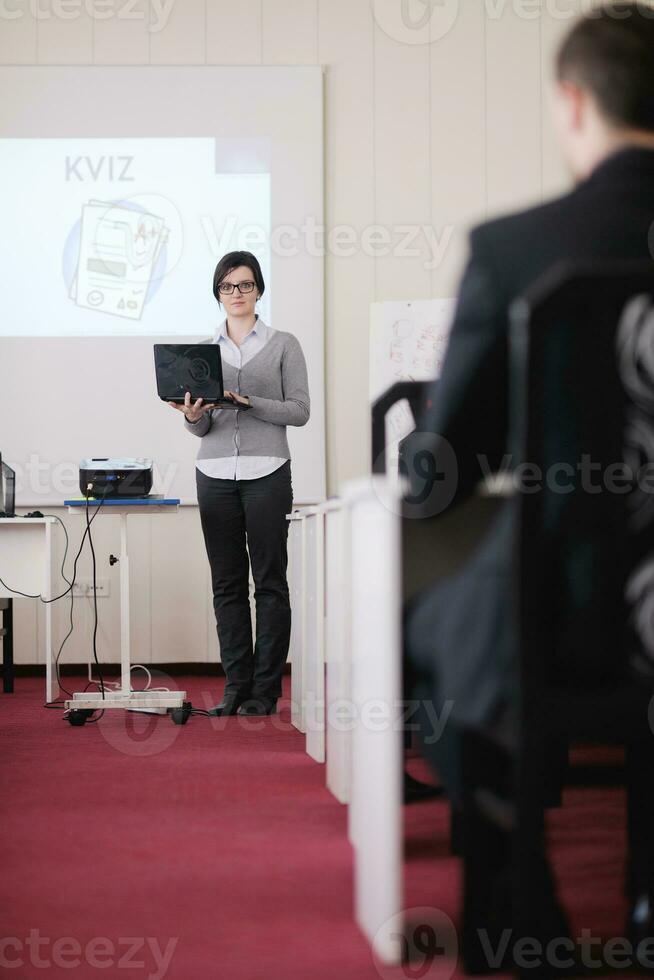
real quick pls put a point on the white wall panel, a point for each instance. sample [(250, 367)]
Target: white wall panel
[(513, 81), (123, 39), (233, 32), (459, 140), (289, 32), (64, 40), (556, 180), (402, 167), (26, 637), (349, 200), (181, 40), (179, 589), (18, 36)]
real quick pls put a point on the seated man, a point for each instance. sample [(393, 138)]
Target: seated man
[(458, 636)]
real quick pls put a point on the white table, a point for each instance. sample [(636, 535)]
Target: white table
[(338, 647), (375, 813), (306, 566), (347, 593), (26, 566), (125, 697), (296, 565), (314, 631)]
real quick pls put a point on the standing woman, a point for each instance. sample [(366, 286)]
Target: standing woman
[(243, 475)]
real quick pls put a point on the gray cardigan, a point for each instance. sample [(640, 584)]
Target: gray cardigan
[(275, 380)]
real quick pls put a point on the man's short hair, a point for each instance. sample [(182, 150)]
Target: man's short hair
[(610, 52)]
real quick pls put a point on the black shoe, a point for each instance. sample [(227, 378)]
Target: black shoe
[(229, 705), (258, 706)]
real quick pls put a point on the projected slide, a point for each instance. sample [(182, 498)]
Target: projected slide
[(119, 237)]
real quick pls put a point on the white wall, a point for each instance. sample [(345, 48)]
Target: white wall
[(441, 134)]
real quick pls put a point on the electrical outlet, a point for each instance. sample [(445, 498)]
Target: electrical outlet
[(84, 588)]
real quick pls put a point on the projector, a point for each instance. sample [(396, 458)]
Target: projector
[(115, 476)]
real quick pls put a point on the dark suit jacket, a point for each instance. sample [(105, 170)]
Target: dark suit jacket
[(459, 635)]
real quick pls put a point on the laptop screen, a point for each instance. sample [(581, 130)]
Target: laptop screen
[(7, 489), (196, 368)]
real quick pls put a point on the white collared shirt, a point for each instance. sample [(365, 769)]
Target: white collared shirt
[(239, 467)]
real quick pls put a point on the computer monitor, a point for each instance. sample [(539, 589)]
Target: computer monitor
[(7, 490)]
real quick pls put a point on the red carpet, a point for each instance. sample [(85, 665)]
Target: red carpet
[(215, 850)]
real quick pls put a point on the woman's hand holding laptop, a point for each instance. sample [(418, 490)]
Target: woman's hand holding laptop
[(194, 411)]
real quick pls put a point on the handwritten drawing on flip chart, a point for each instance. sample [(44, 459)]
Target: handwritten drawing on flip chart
[(408, 340)]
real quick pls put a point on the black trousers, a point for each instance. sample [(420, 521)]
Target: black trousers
[(240, 517)]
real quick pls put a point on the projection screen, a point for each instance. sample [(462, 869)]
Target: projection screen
[(120, 188)]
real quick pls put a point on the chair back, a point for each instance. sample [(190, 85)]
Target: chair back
[(416, 393), (582, 441)]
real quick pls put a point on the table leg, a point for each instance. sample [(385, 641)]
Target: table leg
[(52, 684), (125, 676)]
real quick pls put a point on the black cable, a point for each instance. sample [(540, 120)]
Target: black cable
[(61, 705), (89, 721), (72, 603), (64, 641), (70, 584), (95, 603), (72, 591), (57, 704), (28, 595), (95, 599)]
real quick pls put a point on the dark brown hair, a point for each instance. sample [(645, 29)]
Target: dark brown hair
[(232, 261), (610, 52)]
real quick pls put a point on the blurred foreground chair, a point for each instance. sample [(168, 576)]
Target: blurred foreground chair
[(416, 394), (582, 444)]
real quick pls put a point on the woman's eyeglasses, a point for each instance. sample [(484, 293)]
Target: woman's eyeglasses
[(227, 288)]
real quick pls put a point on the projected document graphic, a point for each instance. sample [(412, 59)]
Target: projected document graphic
[(116, 237), (121, 256)]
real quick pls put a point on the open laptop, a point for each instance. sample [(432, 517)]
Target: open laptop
[(7, 490), (191, 367)]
